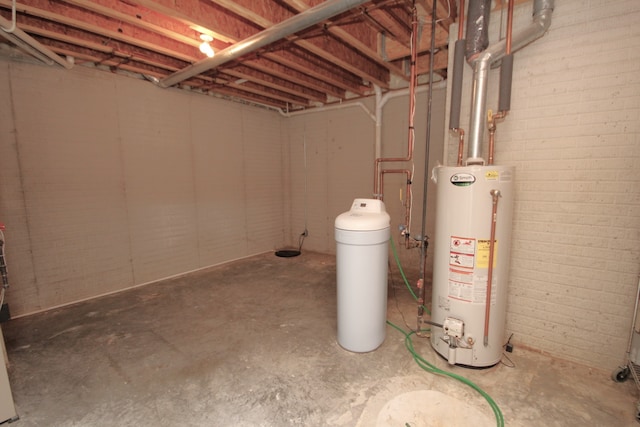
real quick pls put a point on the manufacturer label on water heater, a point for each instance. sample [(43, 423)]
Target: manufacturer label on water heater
[(462, 179)]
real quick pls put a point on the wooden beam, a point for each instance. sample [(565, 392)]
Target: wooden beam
[(202, 16), (210, 16), (446, 11), (357, 35), (244, 72), (390, 20), (315, 67), (163, 26), (238, 94), (82, 39), (440, 62), (295, 76), (265, 14), (105, 27), (394, 50), (274, 94)]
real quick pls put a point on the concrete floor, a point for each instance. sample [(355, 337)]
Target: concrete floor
[(252, 343)]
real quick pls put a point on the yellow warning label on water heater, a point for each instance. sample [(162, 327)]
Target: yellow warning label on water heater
[(482, 253), (491, 175)]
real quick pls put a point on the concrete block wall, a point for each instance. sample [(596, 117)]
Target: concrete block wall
[(108, 182), (573, 135), (340, 162), (339, 147)]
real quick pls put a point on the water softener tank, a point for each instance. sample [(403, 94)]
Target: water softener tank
[(471, 200), (362, 236)]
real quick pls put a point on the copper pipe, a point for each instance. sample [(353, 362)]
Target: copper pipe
[(492, 136), (377, 187), (495, 195), (509, 26), (407, 204), (460, 133), (492, 120), (461, 20)]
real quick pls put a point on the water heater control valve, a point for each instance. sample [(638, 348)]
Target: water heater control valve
[(453, 327)]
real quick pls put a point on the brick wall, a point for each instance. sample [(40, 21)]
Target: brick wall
[(573, 134)]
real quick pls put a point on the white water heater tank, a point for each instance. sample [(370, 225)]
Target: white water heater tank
[(474, 332), (362, 241)]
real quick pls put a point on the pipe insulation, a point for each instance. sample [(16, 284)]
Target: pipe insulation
[(277, 32), (506, 74), (542, 11), (456, 84), (477, 27)]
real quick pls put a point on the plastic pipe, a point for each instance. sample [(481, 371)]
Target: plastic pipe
[(14, 20), (32, 46), (330, 107)]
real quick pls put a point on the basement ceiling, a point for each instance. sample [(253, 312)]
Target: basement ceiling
[(339, 58)]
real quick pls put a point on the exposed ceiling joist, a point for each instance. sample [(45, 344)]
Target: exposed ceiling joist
[(336, 58)]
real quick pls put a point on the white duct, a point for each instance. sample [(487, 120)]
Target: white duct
[(265, 37), (542, 10)]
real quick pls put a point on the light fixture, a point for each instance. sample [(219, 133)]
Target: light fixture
[(205, 47)]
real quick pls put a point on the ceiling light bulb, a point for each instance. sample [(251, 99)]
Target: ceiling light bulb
[(205, 47)]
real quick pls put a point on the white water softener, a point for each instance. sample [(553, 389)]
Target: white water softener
[(362, 242)]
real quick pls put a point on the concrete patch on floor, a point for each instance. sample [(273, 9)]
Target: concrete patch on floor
[(425, 401), (430, 408)]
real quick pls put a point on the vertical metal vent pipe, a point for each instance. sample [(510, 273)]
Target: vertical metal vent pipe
[(458, 73), (542, 10), (477, 38), (277, 32)]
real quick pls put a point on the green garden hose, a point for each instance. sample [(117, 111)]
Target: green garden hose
[(428, 367)]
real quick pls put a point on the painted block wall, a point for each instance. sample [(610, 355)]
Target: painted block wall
[(108, 182), (573, 135), (340, 148), (338, 145)]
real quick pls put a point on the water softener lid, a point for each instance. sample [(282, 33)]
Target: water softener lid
[(365, 215)]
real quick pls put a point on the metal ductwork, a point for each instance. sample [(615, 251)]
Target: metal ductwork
[(283, 29), (481, 63), (477, 38)]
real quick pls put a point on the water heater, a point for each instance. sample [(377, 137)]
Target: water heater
[(470, 274)]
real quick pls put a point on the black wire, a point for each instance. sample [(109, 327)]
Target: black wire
[(511, 362), (301, 239)]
